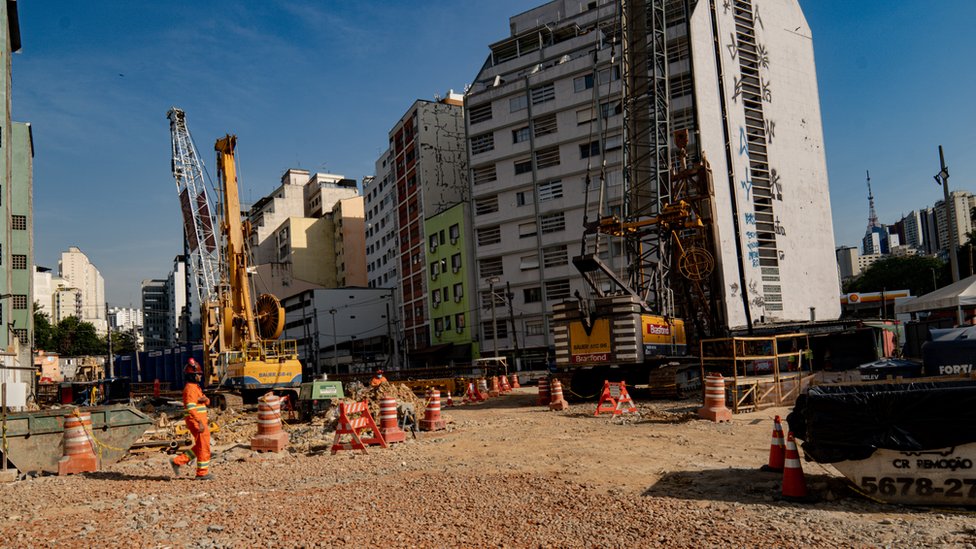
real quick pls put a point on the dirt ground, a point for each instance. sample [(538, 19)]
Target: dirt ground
[(505, 473)]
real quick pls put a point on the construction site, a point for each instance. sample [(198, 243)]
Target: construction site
[(671, 368)]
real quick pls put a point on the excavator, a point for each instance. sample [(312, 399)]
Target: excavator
[(243, 356)]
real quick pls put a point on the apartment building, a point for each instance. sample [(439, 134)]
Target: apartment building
[(544, 118)]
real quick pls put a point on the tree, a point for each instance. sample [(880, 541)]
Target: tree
[(919, 274), (123, 342), (74, 337), (43, 331)]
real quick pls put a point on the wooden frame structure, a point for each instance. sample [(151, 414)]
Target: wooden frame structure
[(759, 371)]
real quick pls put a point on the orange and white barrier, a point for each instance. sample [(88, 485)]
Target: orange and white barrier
[(355, 427), (495, 388), (503, 384), (714, 408), (450, 400), (432, 414), (615, 399), (472, 394), (388, 421), (483, 388), (557, 402), (544, 396), (515, 383), (270, 437), (79, 448)]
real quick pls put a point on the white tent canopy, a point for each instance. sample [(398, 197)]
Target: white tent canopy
[(954, 296)]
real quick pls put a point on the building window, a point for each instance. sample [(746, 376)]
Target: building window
[(529, 262), (458, 291), (518, 103), (456, 262), (531, 295), (447, 323), (489, 235), (550, 190), (488, 268), (19, 222), (612, 108), (486, 301), (527, 229), (21, 334), (582, 83), (554, 256), (585, 116), (589, 149), (459, 321), (613, 142), (544, 125), (486, 205), (20, 301), (483, 174), (534, 328), (499, 329), (435, 270), (482, 143), (455, 232), (552, 223), (18, 261), (609, 75), (523, 198), (433, 243), (546, 158), (435, 297), (543, 94), (480, 113), (438, 326), (523, 166), (520, 135), (557, 289)]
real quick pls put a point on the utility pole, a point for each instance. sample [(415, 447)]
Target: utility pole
[(942, 178), (108, 327), (335, 343), (494, 325), (511, 315)]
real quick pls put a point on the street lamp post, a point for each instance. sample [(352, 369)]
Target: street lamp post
[(335, 343), (494, 326), (942, 178)]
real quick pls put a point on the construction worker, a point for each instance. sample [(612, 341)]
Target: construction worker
[(378, 379), (196, 421)]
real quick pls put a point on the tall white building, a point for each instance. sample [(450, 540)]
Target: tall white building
[(125, 318), (544, 114), (962, 204), (382, 250), (79, 274), (912, 226)]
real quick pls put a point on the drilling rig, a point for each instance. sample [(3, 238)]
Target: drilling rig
[(638, 321), (241, 349)]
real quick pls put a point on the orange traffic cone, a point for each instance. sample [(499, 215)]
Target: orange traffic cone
[(515, 383), (794, 485), (495, 389), (450, 400), (544, 395), (777, 448), (79, 445)]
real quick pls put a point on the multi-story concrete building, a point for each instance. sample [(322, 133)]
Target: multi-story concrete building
[(163, 302), (16, 203), (450, 302), (962, 204), (545, 115), (382, 248), (267, 214), (912, 231), (343, 330), (426, 165), (79, 273), (125, 318), (323, 190), (349, 235), (55, 296)]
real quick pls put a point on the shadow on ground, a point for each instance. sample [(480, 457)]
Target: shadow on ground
[(111, 475), (742, 486)]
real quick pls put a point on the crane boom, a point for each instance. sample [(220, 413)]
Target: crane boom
[(198, 220), (240, 332)]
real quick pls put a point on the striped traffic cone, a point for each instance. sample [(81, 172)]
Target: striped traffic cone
[(495, 389), (777, 448), (544, 395), (558, 402), (432, 414), (794, 485), (270, 437), (515, 383), (79, 451)]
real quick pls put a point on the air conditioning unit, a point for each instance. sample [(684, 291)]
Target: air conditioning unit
[(437, 304), (437, 334), (433, 275), (454, 240), (458, 298), (455, 269), (459, 329)]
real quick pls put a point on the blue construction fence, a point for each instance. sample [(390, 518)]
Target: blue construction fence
[(166, 365)]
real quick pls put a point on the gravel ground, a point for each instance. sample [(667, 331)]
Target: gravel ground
[(504, 474)]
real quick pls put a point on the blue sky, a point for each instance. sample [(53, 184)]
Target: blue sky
[(318, 84)]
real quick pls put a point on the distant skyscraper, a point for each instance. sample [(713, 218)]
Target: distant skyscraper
[(79, 273), (876, 237)]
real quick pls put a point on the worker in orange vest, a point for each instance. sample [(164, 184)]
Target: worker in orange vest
[(378, 379), (196, 421)]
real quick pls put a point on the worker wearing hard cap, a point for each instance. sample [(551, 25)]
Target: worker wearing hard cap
[(378, 379), (195, 403)]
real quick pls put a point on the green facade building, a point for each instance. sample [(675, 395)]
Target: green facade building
[(450, 303)]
